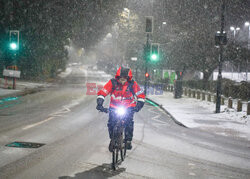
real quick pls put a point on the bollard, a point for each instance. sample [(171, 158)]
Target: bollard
[(230, 102), (198, 95), (189, 92), (248, 108), (203, 95), (222, 100), (215, 98), (239, 105), (193, 93), (185, 91), (209, 97), (171, 88)]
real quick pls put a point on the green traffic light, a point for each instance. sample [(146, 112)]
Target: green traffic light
[(154, 57), (13, 46)]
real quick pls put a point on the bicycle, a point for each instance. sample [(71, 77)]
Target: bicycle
[(118, 142)]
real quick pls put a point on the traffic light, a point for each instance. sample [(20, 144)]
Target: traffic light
[(14, 40), (147, 75), (149, 24), (154, 55)]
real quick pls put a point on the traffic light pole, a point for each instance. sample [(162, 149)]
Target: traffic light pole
[(146, 65), (218, 92), (15, 68)]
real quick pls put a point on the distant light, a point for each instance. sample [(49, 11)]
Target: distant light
[(126, 9), (134, 58), (237, 28), (232, 28), (247, 24), (109, 35), (13, 46), (218, 32), (164, 23)]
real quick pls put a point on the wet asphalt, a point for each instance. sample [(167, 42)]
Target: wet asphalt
[(64, 118)]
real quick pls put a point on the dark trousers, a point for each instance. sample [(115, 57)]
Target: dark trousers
[(129, 124)]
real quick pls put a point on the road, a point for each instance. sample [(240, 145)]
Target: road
[(76, 140)]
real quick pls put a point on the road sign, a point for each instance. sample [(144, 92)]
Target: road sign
[(11, 73)]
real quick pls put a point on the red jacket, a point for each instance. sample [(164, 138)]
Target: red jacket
[(121, 95)]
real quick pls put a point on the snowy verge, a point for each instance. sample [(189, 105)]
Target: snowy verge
[(195, 113), (65, 73)]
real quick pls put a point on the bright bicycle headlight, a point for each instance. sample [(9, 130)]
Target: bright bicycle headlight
[(120, 111)]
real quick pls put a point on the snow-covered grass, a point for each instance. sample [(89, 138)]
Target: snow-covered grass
[(195, 113)]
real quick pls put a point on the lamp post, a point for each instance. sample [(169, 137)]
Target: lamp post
[(234, 29), (247, 24), (127, 15), (218, 90)]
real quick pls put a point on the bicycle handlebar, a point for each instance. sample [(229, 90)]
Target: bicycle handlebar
[(107, 110)]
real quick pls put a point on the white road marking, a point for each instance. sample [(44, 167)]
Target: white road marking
[(192, 174), (65, 109), (38, 123), (157, 120), (157, 116), (191, 164)]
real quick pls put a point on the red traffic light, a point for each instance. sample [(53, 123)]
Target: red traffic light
[(147, 75)]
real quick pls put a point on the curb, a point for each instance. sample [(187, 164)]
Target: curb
[(22, 93), (175, 120)]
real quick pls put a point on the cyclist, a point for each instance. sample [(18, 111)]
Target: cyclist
[(125, 91)]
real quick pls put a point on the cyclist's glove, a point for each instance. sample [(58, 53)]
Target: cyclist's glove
[(99, 106), (138, 106)]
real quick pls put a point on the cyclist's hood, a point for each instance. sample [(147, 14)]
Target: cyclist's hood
[(124, 72)]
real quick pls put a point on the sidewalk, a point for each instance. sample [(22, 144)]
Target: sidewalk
[(194, 113), (22, 88)]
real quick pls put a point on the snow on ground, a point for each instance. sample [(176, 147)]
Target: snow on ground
[(195, 113), (65, 73), (20, 86)]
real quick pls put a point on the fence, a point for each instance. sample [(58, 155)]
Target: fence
[(211, 97)]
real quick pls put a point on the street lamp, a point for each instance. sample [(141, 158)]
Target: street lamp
[(218, 89), (247, 24), (234, 29)]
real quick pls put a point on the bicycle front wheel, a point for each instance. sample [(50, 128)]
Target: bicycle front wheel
[(124, 149), (115, 158)]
